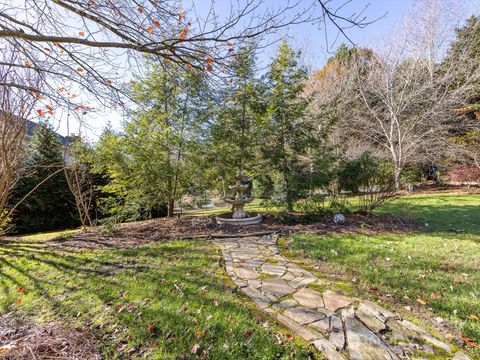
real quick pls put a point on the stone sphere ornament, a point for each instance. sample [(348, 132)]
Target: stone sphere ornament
[(339, 219)]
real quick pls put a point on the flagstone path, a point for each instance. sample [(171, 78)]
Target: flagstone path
[(340, 327)]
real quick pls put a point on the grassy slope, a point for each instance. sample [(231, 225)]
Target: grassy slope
[(440, 266), (177, 286)]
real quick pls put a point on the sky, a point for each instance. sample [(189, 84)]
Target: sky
[(307, 37)]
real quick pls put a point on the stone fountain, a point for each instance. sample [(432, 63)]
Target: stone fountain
[(239, 216)]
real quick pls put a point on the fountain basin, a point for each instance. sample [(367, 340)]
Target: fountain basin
[(250, 220)]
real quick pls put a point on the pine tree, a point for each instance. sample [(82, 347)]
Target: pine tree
[(51, 205), (287, 133)]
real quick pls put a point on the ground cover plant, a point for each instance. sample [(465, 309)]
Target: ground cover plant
[(165, 300), (434, 271)]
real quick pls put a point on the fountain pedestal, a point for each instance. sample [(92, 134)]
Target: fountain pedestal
[(239, 216)]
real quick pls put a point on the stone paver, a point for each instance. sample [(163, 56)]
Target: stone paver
[(338, 326), (270, 269), (334, 301), (303, 315), (364, 344), (277, 287), (309, 298)]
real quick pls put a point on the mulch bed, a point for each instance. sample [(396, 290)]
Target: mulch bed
[(162, 229), (24, 340)]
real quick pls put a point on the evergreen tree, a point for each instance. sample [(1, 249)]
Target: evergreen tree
[(154, 160), (235, 131), (465, 54), (287, 134), (51, 206)]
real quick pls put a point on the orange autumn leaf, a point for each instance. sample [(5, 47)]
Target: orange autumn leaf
[(109, 82), (209, 67), (19, 301), (62, 89), (49, 107), (81, 33), (140, 10), (150, 30), (150, 327), (182, 36), (80, 69), (40, 113), (21, 289), (40, 96), (209, 60), (156, 23), (27, 63), (180, 15), (198, 332)]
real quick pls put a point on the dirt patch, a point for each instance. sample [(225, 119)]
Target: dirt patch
[(162, 229), (24, 340)]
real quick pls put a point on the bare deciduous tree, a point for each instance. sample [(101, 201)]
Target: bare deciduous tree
[(16, 104), (408, 98), (89, 45), (80, 182)]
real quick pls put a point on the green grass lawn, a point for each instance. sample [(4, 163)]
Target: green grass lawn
[(156, 301), (254, 206), (439, 266)]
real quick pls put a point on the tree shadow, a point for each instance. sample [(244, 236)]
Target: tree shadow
[(175, 283)]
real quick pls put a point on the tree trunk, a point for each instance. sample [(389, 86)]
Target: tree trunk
[(171, 205), (397, 177)]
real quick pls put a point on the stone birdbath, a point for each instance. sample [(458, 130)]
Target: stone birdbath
[(239, 216)]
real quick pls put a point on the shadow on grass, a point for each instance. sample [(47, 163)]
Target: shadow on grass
[(177, 287)]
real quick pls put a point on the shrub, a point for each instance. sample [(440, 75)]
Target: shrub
[(465, 174), (368, 178)]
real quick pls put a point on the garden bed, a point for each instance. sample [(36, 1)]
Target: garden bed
[(142, 232)]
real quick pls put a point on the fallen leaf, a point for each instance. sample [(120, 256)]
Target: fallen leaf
[(21, 289), (375, 291), (195, 349), (247, 333), (421, 302), (198, 332), (436, 295), (150, 327)]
